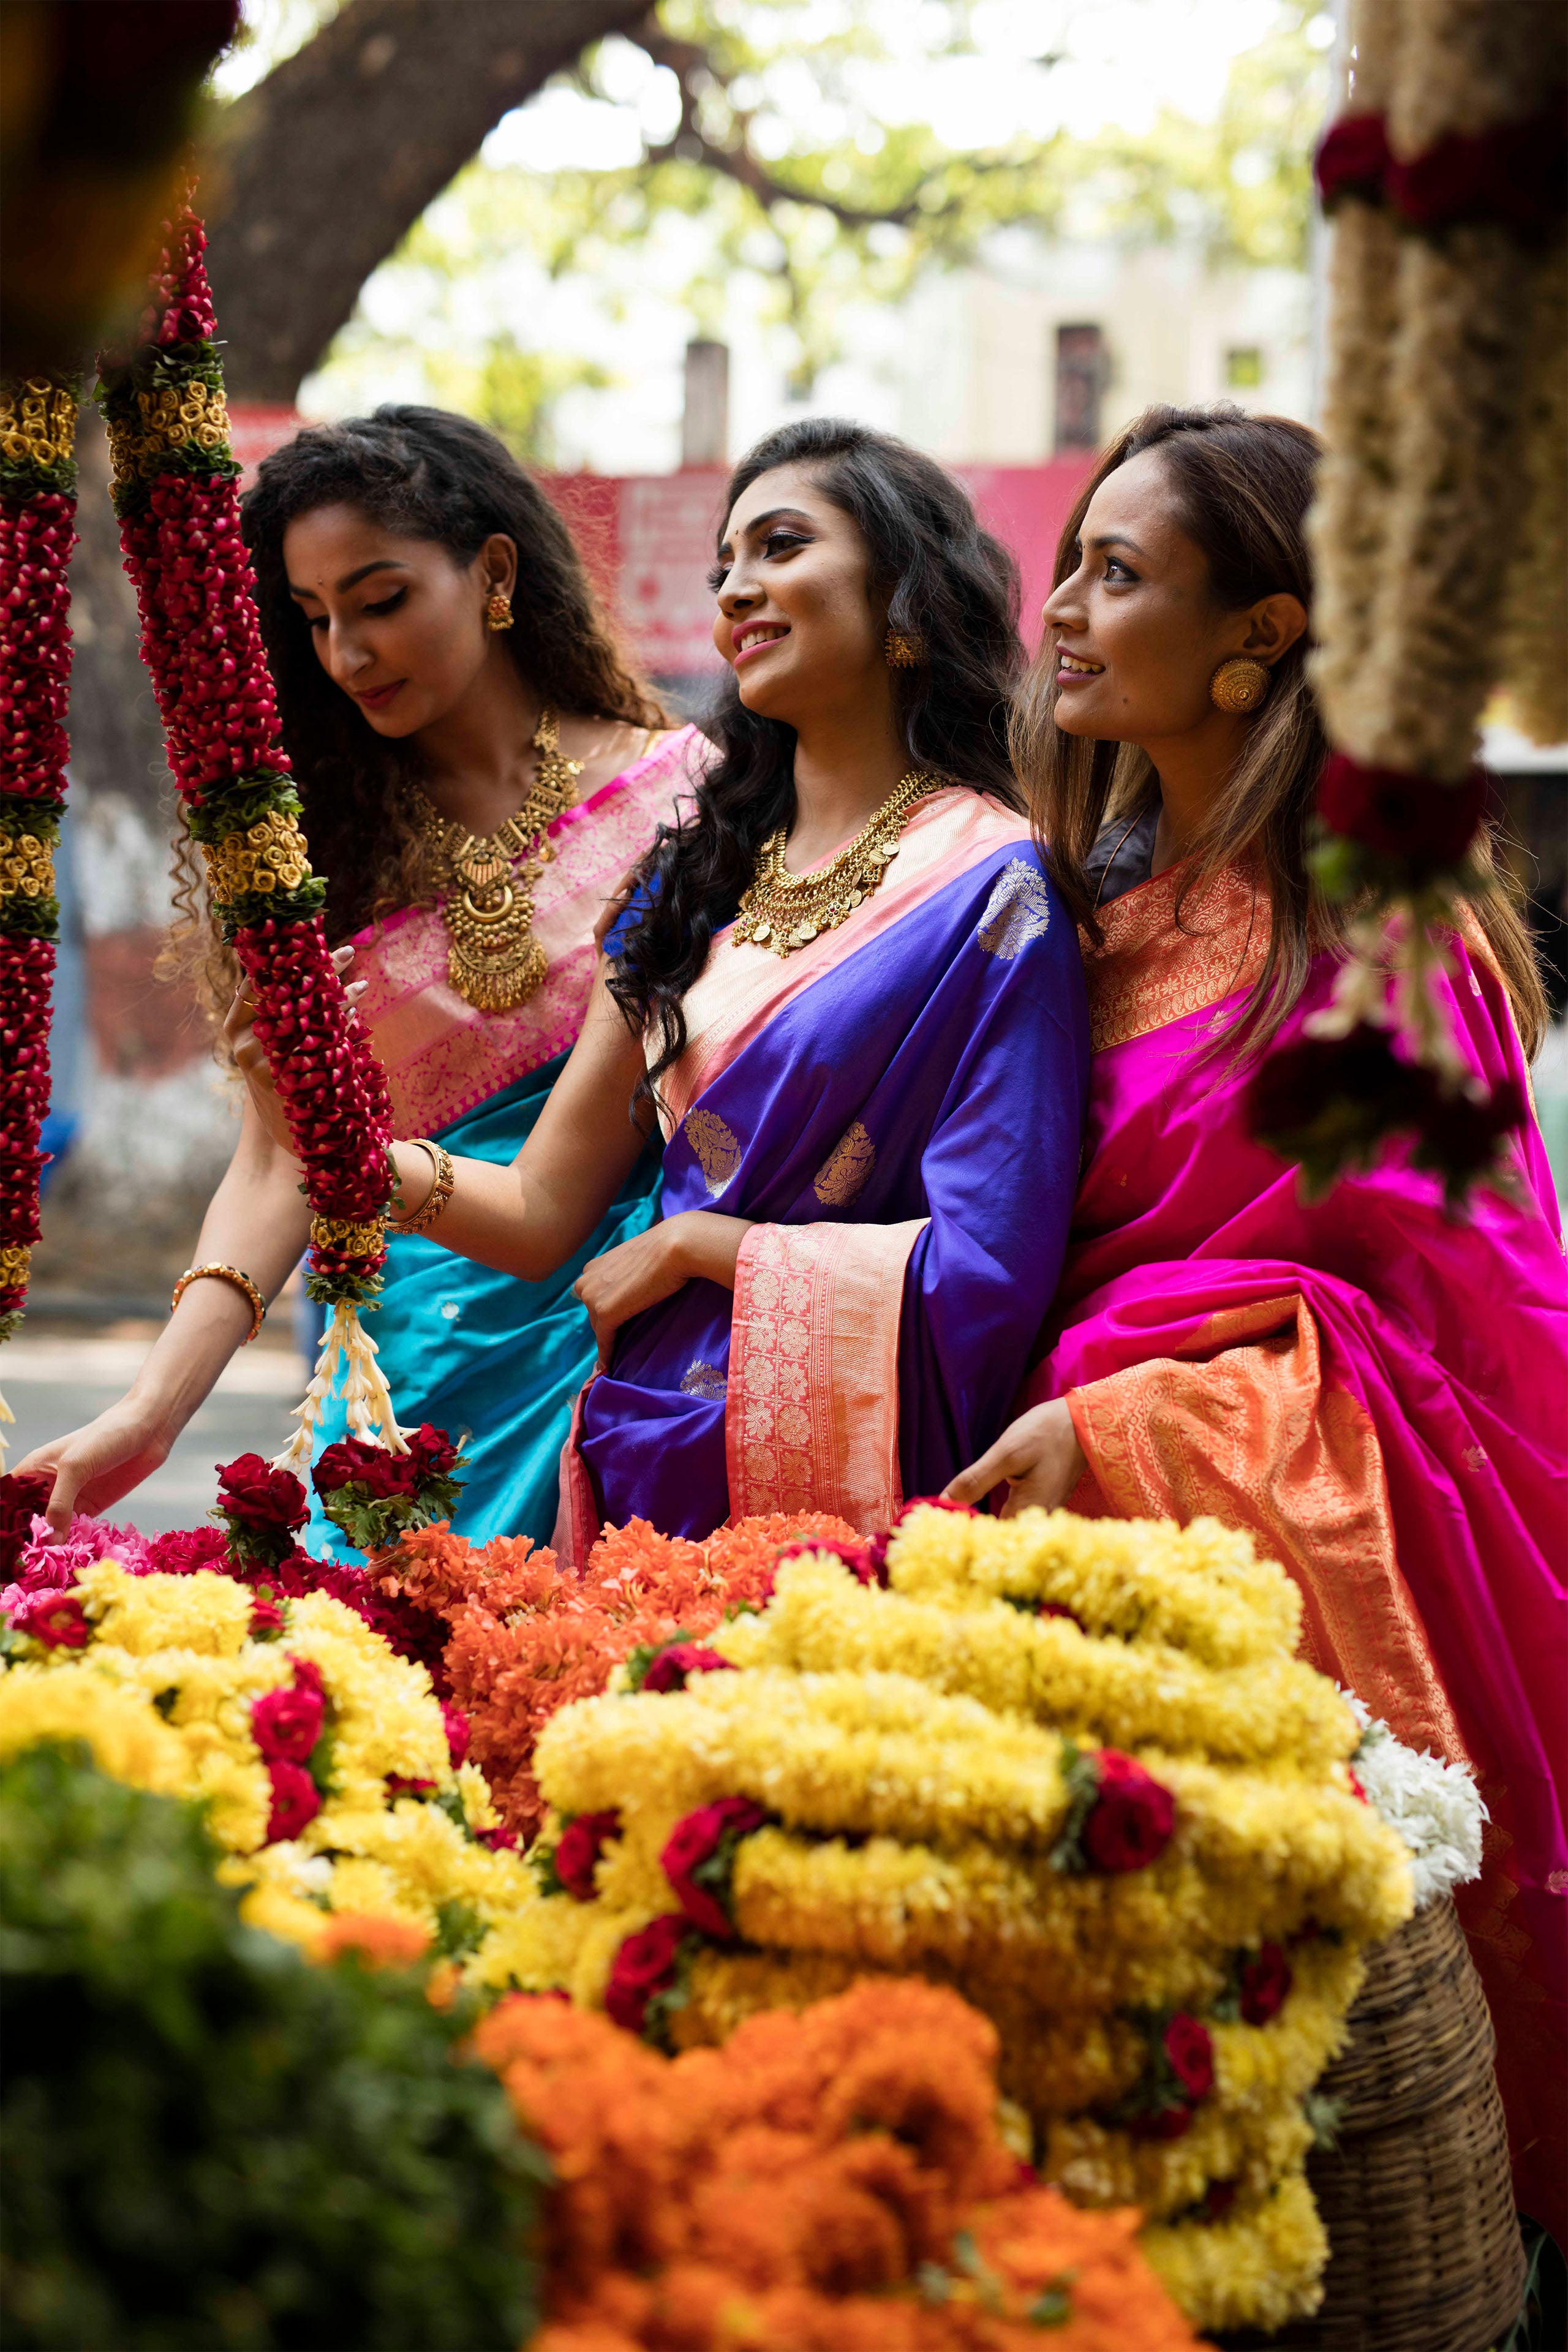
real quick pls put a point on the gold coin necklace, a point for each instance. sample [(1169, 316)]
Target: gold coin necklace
[(489, 880), (783, 911)]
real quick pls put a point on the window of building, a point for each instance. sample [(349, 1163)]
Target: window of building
[(1244, 367), (1083, 371)]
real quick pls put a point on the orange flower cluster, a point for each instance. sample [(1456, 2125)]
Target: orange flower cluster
[(526, 1639), (833, 2181)]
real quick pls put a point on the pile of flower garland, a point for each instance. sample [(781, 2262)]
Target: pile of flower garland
[(522, 1640), (175, 491), (38, 504), (1069, 1768), (835, 2181), (1446, 412), (337, 1782)]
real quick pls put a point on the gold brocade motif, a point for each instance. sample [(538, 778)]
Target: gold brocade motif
[(166, 420), (846, 1170), (26, 868), (271, 855), (37, 422), (1149, 971), (783, 911), (495, 960), (1018, 910), (15, 1260), (716, 1147), (342, 1233)]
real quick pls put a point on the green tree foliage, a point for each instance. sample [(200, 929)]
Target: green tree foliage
[(207, 2145)]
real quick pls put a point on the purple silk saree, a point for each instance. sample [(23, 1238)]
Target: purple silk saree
[(1378, 1392), (899, 1107)]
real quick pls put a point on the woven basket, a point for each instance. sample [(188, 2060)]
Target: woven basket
[(1416, 2196)]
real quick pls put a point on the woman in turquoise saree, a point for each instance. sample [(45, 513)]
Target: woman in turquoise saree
[(479, 767)]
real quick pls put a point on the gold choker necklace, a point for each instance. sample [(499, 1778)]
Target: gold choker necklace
[(784, 911), (488, 881)]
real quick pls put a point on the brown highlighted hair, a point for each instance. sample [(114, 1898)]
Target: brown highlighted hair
[(426, 474), (1243, 485)]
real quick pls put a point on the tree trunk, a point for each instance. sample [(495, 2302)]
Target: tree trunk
[(327, 164)]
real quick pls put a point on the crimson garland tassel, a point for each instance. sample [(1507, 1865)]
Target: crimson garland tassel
[(176, 492), (37, 505)]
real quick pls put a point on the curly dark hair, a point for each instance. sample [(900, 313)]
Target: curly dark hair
[(426, 474), (943, 578)]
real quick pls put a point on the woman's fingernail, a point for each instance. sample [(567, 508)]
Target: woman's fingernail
[(356, 988)]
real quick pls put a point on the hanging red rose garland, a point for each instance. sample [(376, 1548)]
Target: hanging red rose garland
[(37, 507), (175, 494)]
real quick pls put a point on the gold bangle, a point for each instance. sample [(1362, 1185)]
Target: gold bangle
[(237, 1281), (440, 1194)]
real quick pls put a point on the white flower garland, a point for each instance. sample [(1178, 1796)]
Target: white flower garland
[(1433, 1807)]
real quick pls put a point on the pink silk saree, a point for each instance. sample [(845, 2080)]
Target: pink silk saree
[(1378, 1392)]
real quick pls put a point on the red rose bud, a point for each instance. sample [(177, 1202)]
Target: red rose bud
[(1059, 1609), (581, 1842), (287, 1723), (645, 1965), (1130, 1823), (1401, 816), (58, 1620), (1266, 1978), (458, 1733), (1352, 158), (671, 1666), (266, 1617), (499, 1840), (307, 1673), (1190, 2052), (295, 1800), (397, 1784), (1163, 2122), (695, 1840)]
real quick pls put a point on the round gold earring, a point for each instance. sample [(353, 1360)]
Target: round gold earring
[(1239, 683), (497, 610), (905, 649)]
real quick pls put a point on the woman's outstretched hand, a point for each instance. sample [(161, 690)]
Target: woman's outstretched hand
[(94, 1465), (697, 1245), (250, 1055), (1038, 1458)]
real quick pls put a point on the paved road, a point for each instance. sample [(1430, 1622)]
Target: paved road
[(54, 1384)]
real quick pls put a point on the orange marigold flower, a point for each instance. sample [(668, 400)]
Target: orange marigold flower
[(382, 1942)]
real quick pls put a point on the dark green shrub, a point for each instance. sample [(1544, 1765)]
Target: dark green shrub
[(208, 2144)]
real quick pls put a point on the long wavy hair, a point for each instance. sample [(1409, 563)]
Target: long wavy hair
[(941, 577), (1243, 485), (426, 474)]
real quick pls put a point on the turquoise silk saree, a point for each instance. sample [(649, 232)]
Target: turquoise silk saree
[(487, 1358)]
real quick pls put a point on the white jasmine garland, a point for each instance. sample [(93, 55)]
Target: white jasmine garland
[(1433, 1807)]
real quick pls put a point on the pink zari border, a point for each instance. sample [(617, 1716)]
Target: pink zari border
[(812, 1422)]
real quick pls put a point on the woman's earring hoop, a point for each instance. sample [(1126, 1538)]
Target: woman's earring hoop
[(497, 610), (905, 649), (1239, 683)]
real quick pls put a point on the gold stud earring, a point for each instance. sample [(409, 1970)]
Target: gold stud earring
[(905, 649), (497, 610), (1239, 683)]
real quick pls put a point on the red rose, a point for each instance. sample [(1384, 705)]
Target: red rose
[(581, 1842), (1130, 1823), (354, 1462), (673, 1664), (184, 1550), (458, 1734), (1060, 1609), (57, 1619), (397, 1784), (1190, 2051), (252, 1492), (308, 1676), (695, 1840), (1163, 2122), (1352, 158), (1266, 1978), (24, 1496), (1401, 816), (295, 1800), (645, 1965), (287, 1723), (857, 1558), (266, 1617), (431, 1449), (499, 1840)]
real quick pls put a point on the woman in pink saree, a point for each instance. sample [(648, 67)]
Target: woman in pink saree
[(1376, 1388)]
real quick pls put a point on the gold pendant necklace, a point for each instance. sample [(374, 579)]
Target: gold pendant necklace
[(784, 911), (489, 880)]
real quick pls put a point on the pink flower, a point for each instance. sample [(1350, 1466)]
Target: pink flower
[(295, 1800), (458, 1733), (645, 1966), (1266, 1978), (288, 1723), (697, 1840), (1130, 1823), (582, 1840), (266, 1617), (679, 1659), (1190, 2051), (57, 1619)]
